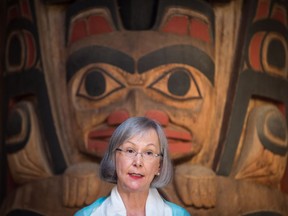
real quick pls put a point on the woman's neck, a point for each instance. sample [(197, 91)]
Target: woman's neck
[(135, 202)]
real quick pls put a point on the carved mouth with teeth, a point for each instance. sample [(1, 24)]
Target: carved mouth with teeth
[(180, 142)]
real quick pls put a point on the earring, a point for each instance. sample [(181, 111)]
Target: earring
[(157, 174)]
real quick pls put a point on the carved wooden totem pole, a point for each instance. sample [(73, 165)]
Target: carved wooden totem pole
[(213, 73)]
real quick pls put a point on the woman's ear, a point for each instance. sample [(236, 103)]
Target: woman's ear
[(159, 169)]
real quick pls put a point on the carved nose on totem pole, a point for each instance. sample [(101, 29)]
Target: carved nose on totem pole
[(135, 79)]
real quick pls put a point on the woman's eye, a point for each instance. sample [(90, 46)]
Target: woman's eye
[(97, 83), (149, 153), (130, 151), (178, 84)]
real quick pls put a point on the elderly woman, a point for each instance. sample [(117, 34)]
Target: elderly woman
[(137, 161)]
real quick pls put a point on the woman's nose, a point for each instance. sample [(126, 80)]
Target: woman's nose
[(138, 160)]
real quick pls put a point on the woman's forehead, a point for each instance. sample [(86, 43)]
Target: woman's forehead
[(146, 138)]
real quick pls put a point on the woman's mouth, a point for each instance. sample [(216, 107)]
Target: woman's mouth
[(136, 175)]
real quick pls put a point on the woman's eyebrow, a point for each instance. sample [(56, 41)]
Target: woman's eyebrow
[(131, 142)]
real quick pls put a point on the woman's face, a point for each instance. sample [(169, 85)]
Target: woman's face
[(136, 173)]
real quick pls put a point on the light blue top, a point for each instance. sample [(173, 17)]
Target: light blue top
[(86, 211)]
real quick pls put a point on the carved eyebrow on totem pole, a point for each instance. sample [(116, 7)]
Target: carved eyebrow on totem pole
[(213, 73)]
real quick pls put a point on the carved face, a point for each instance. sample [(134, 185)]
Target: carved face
[(166, 74)]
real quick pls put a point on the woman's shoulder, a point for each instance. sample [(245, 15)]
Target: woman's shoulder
[(177, 210), (88, 209)]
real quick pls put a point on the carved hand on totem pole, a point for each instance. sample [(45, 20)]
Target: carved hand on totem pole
[(81, 184), (27, 159), (196, 185)]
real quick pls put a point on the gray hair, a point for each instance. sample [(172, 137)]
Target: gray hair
[(126, 130)]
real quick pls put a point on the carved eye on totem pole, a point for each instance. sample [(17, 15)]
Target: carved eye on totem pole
[(267, 49), (20, 51), (177, 84), (97, 84)]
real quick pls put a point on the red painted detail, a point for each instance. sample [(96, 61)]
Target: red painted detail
[(262, 9), (177, 24), (13, 12), (282, 108), (278, 13), (254, 51), (98, 140), (97, 146), (11, 104), (98, 25), (177, 147), (31, 50), (78, 30), (101, 133), (11, 185), (158, 116), (199, 30), (178, 135), (284, 181), (25, 9), (117, 117)]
